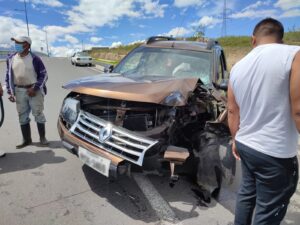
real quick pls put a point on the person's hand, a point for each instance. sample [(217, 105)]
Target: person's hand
[(31, 92), (12, 98), (1, 91), (235, 152)]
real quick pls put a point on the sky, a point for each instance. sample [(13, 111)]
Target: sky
[(73, 25)]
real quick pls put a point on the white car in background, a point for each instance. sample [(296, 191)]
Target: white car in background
[(81, 58)]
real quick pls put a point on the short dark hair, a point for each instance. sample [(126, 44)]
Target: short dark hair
[(269, 27)]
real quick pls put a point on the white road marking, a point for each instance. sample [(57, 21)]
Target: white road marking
[(159, 205)]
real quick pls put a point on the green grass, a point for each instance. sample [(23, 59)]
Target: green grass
[(111, 62), (235, 41)]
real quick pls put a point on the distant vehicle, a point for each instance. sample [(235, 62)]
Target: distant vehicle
[(81, 58)]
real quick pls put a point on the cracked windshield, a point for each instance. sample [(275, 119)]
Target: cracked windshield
[(146, 63)]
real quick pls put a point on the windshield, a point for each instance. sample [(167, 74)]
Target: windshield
[(157, 62), (82, 54)]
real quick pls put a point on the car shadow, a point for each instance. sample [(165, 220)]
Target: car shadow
[(122, 194), (18, 161), (125, 195)]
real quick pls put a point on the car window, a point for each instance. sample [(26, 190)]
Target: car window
[(131, 63), (82, 54), (154, 62)]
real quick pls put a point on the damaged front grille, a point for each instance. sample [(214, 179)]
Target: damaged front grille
[(113, 139)]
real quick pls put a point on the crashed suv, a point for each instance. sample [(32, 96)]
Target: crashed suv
[(162, 108)]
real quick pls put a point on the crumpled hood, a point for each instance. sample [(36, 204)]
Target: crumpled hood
[(119, 87)]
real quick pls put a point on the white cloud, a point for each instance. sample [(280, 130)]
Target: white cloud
[(257, 4), (51, 3), (287, 4), (178, 32), (207, 21), (96, 39), (153, 7), (291, 13), (11, 27), (116, 44), (188, 3), (215, 8), (92, 13), (71, 39), (62, 51), (254, 14), (136, 42)]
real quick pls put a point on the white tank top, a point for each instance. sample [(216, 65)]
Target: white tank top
[(260, 82)]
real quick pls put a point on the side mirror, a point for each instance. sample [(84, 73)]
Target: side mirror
[(108, 69), (223, 85)]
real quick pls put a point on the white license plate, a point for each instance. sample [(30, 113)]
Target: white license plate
[(96, 162)]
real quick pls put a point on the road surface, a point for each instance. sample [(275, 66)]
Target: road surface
[(43, 186)]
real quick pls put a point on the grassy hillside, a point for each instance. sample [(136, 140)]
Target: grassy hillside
[(235, 48)]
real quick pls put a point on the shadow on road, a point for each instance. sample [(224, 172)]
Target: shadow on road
[(122, 194), (52, 144), (18, 161), (125, 195)]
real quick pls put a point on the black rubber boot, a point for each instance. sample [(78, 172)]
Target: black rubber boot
[(42, 133), (26, 133)]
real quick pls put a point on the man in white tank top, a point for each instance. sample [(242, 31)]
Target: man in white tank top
[(264, 120)]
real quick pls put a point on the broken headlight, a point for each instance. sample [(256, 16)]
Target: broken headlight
[(70, 110)]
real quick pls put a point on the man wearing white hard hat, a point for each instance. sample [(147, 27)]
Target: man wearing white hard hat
[(26, 78)]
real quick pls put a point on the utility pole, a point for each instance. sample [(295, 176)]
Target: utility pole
[(224, 19), (47, 42), (26, 17), (25, 11)]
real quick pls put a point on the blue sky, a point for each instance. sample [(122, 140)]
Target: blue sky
[(73, 24)]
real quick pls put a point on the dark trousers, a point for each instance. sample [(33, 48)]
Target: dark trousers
[(267, 185)]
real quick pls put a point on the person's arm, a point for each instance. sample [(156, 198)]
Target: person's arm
[(233, 119), (295, 90), (42, 76)]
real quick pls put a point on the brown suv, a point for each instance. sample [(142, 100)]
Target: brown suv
[(162, 107)]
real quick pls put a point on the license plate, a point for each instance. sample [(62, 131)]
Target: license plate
[(96, 162)]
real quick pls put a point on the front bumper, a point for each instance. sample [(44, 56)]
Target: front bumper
[(121, 146), (72, 144)]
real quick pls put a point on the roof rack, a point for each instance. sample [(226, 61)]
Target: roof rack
[(159, 38)]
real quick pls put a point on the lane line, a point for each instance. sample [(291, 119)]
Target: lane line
[(159, 205)]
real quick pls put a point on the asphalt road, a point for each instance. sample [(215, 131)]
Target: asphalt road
[(41, 186)]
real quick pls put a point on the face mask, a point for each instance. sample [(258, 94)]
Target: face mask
[(19, 48)]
